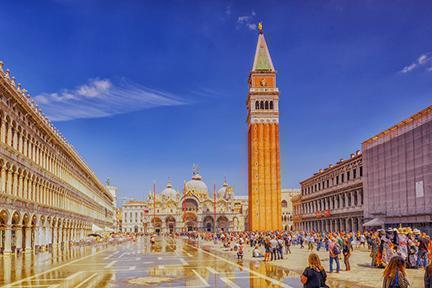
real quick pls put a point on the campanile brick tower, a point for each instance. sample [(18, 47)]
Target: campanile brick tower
[(265, 211)]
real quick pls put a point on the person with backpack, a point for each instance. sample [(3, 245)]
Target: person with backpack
[(314, 276), (334, 252), (394, 275)]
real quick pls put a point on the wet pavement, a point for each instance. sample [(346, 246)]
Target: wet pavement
[(168, 263)]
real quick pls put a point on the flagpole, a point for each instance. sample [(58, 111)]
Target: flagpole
[(214, 207), (154, 202), (184, 204)]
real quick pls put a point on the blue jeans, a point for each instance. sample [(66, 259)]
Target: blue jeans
[(423, 260), (337, 264)]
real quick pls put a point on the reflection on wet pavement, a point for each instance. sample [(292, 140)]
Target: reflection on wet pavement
[(167, 263)]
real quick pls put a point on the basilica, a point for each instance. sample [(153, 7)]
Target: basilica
[(193, 209)]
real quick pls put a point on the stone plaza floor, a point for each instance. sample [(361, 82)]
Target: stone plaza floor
[(361, 274), (168, 263), (174, 262)]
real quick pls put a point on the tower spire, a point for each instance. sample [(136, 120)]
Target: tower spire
[(262, 59)]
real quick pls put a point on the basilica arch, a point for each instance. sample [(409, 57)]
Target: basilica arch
[(208, 223), (190, 204), (157, 224), (170, 222), (223, 223), (191, 221)]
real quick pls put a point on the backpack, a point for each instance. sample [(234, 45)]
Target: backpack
[(336, 250)]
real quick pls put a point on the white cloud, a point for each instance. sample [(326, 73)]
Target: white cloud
[(423, 61), (247, 21), (243, 19), (409, 68), (102, 98), (252, 26)]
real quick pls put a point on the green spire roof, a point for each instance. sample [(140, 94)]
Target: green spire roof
[(262, 61)]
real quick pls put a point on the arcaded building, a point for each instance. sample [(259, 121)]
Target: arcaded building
[(287, 207), (398, 174), (48, 195), (332, 199)]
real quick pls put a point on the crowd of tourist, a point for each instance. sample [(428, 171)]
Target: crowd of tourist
[(392, 249)]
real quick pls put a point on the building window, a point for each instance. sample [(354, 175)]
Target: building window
[(361, 171), (337, 179), (342, 178), (328, 183), (256, 105), (348, 175), (262, 105), (354, 173)]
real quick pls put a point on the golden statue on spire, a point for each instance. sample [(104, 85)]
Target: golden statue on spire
[(260, 28)]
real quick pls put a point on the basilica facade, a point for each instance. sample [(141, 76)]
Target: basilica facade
[(195, 208)]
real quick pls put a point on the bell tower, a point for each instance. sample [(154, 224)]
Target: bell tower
[(264, 185)]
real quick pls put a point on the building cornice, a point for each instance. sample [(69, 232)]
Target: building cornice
[(392, 131), (29, 105)]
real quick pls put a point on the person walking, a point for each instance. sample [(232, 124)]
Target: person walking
[(346, 251), (274, 246), (394, 274), (334, 252), (422, 259), (267, 248), (288, 242), (280, 248), (314, 276), (240, 252)]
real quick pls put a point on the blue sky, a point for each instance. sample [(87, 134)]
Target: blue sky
[(144, 89)]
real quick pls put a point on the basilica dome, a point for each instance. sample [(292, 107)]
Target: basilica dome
[(197, 186), (224, 192), (169, 191)]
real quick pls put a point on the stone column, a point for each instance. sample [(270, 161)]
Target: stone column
[(28, 248), (9, 135), (3, 179), (18, 237), (20, 191), (48, 234), (15, 183), (43, 237), (360, 224), (7, 240), (2, 130), (9, 181), (54, 233)]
